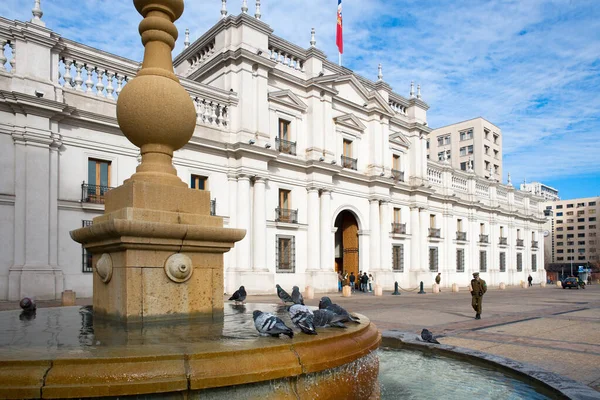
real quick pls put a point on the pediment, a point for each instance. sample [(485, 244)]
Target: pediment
[(350, 88), (288, 98), (350, 121), (400, 139)]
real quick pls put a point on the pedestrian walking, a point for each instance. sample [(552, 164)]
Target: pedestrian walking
[(352, 281), (438, 279), (529, 279), (370, 282), (477, 288)]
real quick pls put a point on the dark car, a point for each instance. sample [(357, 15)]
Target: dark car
[(570, 283)]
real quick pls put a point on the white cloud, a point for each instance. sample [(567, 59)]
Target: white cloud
[(531, 67)]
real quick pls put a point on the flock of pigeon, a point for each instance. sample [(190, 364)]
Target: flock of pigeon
[(307, 320)]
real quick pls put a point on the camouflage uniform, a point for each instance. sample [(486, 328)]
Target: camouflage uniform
[(478, 289)]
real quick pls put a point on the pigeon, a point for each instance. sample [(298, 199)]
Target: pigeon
[(303, 318), (27, 305), (297, 296), (283, 295), (326, 304), (268, 324), (325, 318), (239, 295), (428, 337)]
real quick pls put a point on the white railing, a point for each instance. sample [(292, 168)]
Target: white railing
[(518, 198), (286, 54), (200, 57), (8, 61), (481, 189), (435, 175), (459, 184), (211, 112), (502, 194), (397, 107)]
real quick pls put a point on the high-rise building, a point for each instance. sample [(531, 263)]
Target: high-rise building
[(539, 189), (575, 234), (475, 141)]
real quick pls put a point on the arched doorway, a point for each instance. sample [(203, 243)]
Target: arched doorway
[(346, 243)]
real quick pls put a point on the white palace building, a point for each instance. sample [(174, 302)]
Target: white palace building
[(325, 169)]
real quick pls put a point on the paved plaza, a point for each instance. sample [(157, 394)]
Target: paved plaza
[(556, 329)]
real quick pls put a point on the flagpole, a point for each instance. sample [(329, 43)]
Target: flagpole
[(340, 59)]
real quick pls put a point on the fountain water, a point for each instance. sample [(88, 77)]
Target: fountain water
[(159, 324)]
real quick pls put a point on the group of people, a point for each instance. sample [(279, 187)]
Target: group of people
[(362, 281)]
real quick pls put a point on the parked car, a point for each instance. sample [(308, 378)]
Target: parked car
[(570, 283)]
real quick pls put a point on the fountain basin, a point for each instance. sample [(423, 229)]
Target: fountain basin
[(64, 353)]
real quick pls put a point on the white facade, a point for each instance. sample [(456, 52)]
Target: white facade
[(539, 189), (57, 117)]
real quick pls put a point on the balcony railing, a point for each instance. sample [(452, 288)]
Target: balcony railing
[(534, 244), (503, 241), (93, 193), (434, 233), (398, 228), (520, 242), (348, 162), (398, 175), (286, 215), (462, 236), (213, 207), (484, 239), (285, 146)]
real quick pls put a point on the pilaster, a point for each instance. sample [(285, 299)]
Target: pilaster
[(259, 226), (374, 243), (326, 234), (313, 237)]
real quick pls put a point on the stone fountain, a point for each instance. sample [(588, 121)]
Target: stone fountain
[(159, 325)]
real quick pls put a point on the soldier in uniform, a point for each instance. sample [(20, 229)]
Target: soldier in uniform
[(477, 288), (438, 279)]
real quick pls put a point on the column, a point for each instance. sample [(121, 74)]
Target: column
[(374, 247), (424, 221), (243, 222), (415, 241), (326, 245), (313, 247), (231, 256), (384, 236), (259, 226)]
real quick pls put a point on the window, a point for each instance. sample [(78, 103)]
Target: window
[(460, 260), (482, 229), (580, 227), (569, 205), (502, 261), (560, 243), (570, 250), (560, 236), (496, 168), (487, 165), (486, 149), (463, 166), (570, 220), (569, 212), (592, 234), (443, 140), (592, 219), (466, 150), (581, 235), (284, 130), (518, 234), (86, 258), (397, 215), (560, 258), (570, 228), (285, 199), (560, 229), (285, 254), (559, 221), (581, 258), (519, 262), (441, 155), (581, 242), (459, 225), (98, 180), (559, 214), (501, 231), (570, 243), (198, 182), (466, 134), (482, 261), (486, 132), (496, 153), (592, 227), (580, 205), (433, 259), (592, 211), (398, 257), (592, 203), (347, 148), (396, 162), (592, 242), (558, 207), (570, 235), (496, 137), (427, 143), (580, 213), (533, 262)]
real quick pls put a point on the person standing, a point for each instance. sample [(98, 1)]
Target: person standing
[(364, 282), (352, 281), (370, 282), (340, 281), (438, 279), (529, 279), (477, 288)]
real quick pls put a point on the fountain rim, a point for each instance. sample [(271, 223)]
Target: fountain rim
[(550, 381), (185, 368)]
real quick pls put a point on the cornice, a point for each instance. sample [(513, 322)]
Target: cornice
[(21, 103)]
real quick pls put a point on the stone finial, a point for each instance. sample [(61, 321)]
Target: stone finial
[(412, 89), (509, 182), (257, 13), (313, 41), (37, 13), (186, 43), (223, 9), (470, 164), (418, 91), (379, 74), (154, 111), (245, 6)]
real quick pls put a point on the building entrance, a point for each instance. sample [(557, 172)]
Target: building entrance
[(346, 243)]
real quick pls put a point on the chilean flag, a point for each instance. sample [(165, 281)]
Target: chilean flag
[(338, 38)]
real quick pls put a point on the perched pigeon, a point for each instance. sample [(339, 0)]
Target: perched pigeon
[(303, 318), (297, 296), (239, 295), (27, 304), (283, 295), (325, 318), (428, 337), (269, 324), (326, 304)]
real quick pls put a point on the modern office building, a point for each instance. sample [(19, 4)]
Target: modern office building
[(575, 234), (539, 189), (476, 144), (325, 169)]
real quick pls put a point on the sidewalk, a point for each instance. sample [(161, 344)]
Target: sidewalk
[(556, 329)]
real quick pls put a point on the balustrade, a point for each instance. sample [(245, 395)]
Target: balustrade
[(520, 242), (200, 57), (459, 184), (502, 194), (434, 233), (435, 175), (348, 162), (503, 241), (482, 189), (8, 59), (398, 175), (398, 228), (461, 236), (93, 193), (284, 58), (285, 146), (484, 238), (211, 112), (534, 244), (286, 215), (397, 107)]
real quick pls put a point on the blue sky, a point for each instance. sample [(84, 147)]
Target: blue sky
[(532, 67)]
